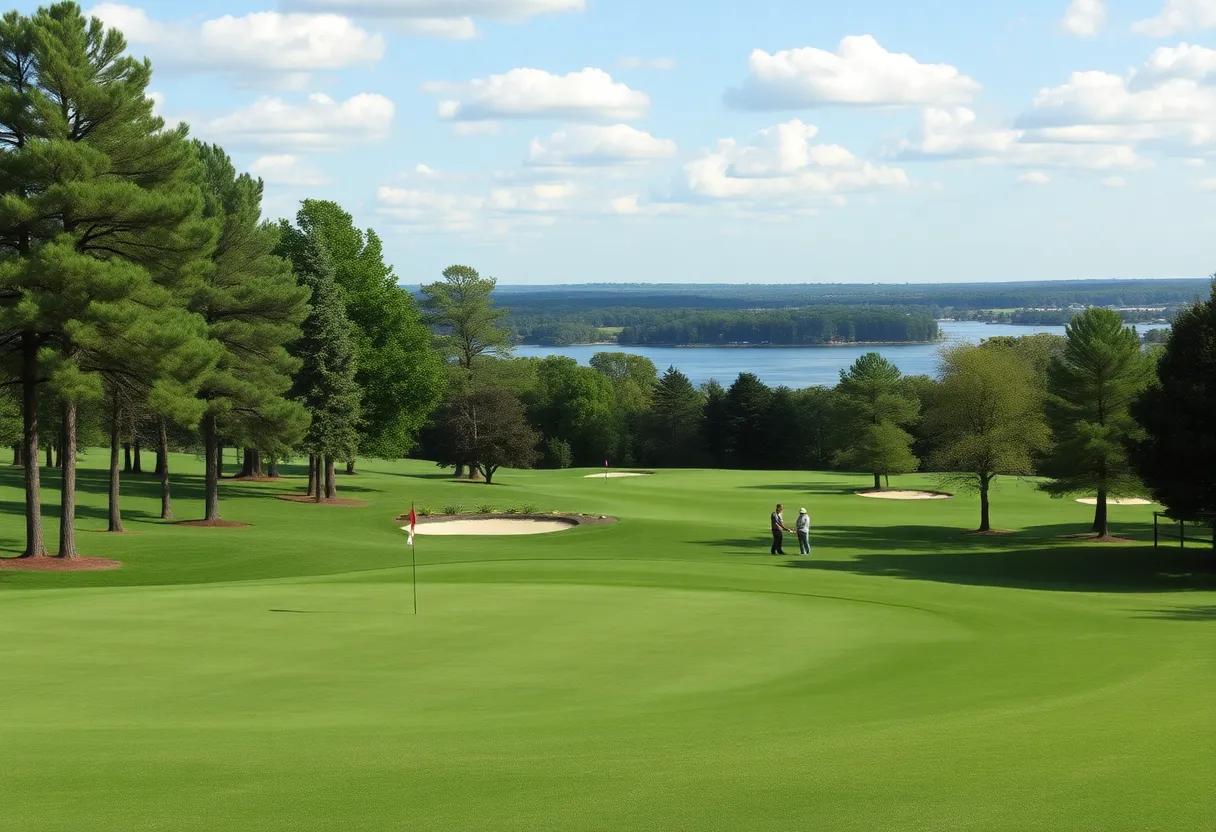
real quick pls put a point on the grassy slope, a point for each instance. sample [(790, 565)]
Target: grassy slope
[(661, 674)]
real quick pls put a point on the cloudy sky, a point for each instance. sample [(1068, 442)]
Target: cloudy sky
[(549, 141)]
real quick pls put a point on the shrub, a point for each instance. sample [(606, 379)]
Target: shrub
[(485, 509), (528, 508), (423, 511), (457, 509), (512, 511), (558, 453)]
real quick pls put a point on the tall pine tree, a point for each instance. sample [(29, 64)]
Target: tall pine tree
[(877, 405), (1091, 386), (252, 308), (1176, 456), (671, 428), (325, 384), (97, 198), (400, 377)]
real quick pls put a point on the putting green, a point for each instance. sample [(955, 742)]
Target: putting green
[(662, 673)]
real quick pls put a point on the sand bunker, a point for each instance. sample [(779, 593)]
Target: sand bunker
[(905, 495), (619, 474), (1112, 501), (493, 526)]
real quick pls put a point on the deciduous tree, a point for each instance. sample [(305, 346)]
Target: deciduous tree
[(986, 420), (489, 425)]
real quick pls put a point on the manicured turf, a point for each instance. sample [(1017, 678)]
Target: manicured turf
[(664, 673)]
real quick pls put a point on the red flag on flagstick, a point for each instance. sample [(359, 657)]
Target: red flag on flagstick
[(413, 522)]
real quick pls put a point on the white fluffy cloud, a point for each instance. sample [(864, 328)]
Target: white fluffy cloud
[(646, 63), (286, 169), (1171, 100), (957, 134), (499, 210), (441, 18), (267, 41), (1207, 185), (1084, 18), (319, 123), (860, 72), (1114, 182), (586, 95), (1034, 177), (1179, 16), (782, 166), (594, 145)]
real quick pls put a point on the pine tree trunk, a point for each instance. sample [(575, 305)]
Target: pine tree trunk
[(312, 475), (115, 481), (985, 518), (1101, 525), (139, 462), (246, 464), (35, 545), (331, 483), (59, 452), (272, 468), (257, 462), (50, 457), (162, 469), (67, 497), (17, 461), (126, 452), (213, 453), (877, 483), (219, 459)]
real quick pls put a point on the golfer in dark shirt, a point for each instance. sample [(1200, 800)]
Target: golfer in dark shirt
[(778, 523)]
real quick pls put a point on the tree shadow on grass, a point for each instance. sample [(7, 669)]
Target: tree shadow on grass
[(1205, 613), (808, 488), (1070, 568)]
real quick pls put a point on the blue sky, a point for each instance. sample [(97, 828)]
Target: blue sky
[(551, 141)]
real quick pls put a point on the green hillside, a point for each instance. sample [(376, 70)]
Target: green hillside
[(663, 673)]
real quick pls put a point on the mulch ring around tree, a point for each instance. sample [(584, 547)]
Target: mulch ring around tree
[(58, 564), (989, 533), (340, 501), (1090, 537), (212, 524), (572, 519)]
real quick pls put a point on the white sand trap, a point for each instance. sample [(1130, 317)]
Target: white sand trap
[(904, 495), (617, 474), (492, 526), (1112, 501)]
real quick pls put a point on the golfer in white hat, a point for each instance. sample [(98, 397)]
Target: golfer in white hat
[(803, 527)]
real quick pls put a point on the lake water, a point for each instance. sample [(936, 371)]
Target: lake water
[(793, 366)]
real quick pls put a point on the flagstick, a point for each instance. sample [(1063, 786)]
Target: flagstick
[(414, 555), (414, 572)]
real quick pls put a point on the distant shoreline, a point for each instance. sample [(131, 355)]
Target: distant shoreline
[(744, 346)]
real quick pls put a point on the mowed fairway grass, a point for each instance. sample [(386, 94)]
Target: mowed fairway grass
[(664, 673)]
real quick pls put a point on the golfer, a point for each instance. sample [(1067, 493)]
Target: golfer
[(803, 526), (778, 524)]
